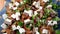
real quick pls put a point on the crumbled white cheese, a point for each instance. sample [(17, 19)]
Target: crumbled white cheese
[(26, 21), (45, 31), (30, 24), (8, 23), (17, 18), (10, 5), (40, 7), (4, 16), (14, 8), (36, 28), (21, 30), (13, 16), (49, 6), (18, 27), (16, 3), (8, 20), (45, 1), (36, 4), (54, 22), (18, 13), (37, 32), (25, 11), (4, 26), (35, 13), (50, 22), (4, 33), (30, 12), (14, 27)]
